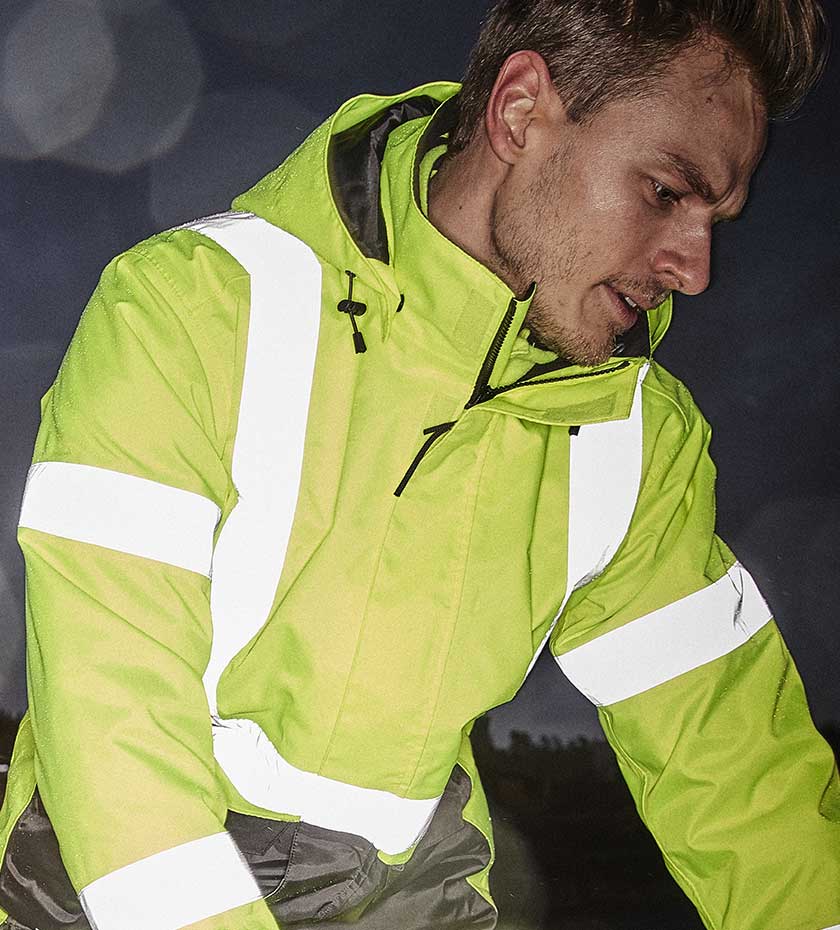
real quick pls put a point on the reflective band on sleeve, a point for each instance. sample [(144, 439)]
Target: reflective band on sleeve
[(122, 512), (670, 641), (172, 889), (264, 778), (285, 310)]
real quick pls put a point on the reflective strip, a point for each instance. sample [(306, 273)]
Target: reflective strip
[(122, 512), (264, 778), (670, 641), (285, 278), (605, 473), (604, 478), (172, 889), (285, 309)]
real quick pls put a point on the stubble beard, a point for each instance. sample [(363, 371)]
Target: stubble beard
[(517, 239)]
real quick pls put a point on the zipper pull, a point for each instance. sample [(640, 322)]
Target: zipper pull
[(433, 433), (354, 308)]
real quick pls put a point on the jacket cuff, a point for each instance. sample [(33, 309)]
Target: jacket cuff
[(173, 888)]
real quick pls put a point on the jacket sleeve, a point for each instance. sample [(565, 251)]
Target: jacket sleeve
[(129, 486), (701, 701)]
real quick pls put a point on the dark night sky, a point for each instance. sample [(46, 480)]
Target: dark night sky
[(122, 117)]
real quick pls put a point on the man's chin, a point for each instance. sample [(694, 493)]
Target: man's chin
[(574, 347)]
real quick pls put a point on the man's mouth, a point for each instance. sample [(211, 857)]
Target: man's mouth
[(627, 309)]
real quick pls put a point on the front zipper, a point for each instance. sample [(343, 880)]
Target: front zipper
[(481, 385), (432, 434), (482, 391)]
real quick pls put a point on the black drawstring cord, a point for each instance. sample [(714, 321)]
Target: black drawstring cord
[(354, 308), (401, 303), (432, 434)]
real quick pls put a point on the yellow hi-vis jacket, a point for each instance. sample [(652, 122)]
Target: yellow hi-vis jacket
[(306, 503)]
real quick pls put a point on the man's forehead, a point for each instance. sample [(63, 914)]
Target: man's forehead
[(722, 107), (712, 133)]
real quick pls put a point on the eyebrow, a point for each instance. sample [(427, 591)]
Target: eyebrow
[(696, 179)]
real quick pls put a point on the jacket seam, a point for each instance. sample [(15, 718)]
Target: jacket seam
[(357, 649), (442, 675), (142, 252), (640, 772), (679, 407), (232, 413), (292, 850), (380, 551), (237, 379)]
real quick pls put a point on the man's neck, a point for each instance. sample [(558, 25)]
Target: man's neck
[(461, 205)]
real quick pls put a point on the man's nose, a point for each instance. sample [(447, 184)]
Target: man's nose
[(685, 263)]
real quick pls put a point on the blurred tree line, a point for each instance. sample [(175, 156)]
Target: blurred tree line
[(571, 852)]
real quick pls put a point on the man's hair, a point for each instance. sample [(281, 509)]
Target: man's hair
[(598, 51)]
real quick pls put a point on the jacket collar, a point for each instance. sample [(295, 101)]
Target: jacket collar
[(352, 191), (463, 298)]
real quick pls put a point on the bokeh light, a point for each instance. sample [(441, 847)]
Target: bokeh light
[(222, 154), (154, 94), (58, 66), (104, 84)]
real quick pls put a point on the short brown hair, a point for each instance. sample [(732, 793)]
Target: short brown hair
[(602, 50)]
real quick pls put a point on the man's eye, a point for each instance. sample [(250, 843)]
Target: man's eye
[(664, 194)]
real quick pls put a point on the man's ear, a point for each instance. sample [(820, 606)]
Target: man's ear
[(523, 103)]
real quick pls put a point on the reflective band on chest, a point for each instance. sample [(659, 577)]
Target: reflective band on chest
[(267, 459), (268, 451), (605, 471), (670, 641), (264, 778)]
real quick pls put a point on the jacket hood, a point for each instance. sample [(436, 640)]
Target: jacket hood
[(327, 192)]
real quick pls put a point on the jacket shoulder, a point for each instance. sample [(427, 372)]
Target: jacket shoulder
[(158, 351), (674, 426), (186, 268), (667, 397)]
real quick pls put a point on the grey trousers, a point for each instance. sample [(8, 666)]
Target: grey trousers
[(310, 877)]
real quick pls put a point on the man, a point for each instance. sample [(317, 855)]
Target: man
[(401, 407)]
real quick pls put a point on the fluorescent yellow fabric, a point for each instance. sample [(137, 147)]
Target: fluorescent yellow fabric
[(727, 771), (397, 620)]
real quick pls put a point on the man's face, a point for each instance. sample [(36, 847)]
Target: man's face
[(622, 207)]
